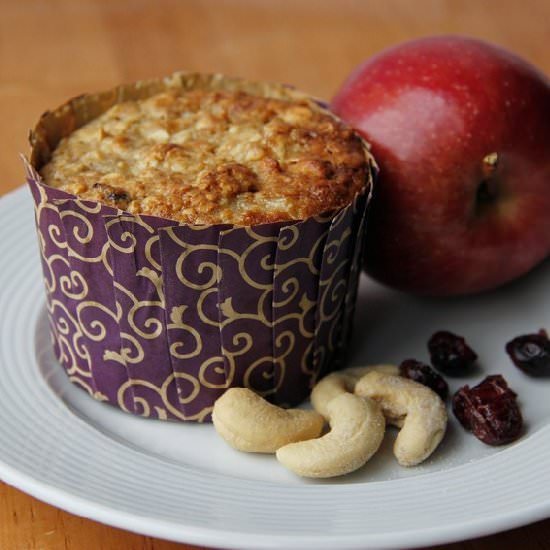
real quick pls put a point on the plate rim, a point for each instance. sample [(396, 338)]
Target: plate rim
[(220, 538)]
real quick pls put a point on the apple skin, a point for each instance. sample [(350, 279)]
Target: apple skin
[(445, 218)]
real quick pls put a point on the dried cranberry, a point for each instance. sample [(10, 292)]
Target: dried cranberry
[(424, 374), (531, 353), (489, 410), (449, 353)]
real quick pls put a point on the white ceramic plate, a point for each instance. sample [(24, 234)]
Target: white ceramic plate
[(181, 482)]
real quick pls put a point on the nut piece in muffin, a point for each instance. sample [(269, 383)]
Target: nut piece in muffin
[(212, 156)]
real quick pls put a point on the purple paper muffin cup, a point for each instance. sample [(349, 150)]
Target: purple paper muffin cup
[(159, 318)]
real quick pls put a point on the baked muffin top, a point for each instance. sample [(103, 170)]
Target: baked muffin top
[(209, 157)]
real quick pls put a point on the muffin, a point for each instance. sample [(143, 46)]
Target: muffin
[(197, 233)]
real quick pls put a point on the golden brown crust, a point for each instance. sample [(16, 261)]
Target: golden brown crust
[(213, 156)]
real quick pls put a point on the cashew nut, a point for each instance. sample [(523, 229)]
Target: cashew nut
[(416, 409), (357, 429), (342, 381), (249, 423)]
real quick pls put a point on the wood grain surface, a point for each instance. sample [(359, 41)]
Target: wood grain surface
[(51, 50)]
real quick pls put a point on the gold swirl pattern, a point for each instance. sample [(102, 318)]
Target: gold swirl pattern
[(69, 347), (136, 262), (294, 312), (84, 229), (247, 257), (189, 260), (180, 350), (334, 275), (159, 318)]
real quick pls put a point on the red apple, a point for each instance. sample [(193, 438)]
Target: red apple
[(461, 131)]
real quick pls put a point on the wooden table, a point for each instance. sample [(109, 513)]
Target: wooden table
[(51, 50)]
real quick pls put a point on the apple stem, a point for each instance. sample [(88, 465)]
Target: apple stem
[(487, 189), (490, 164)]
